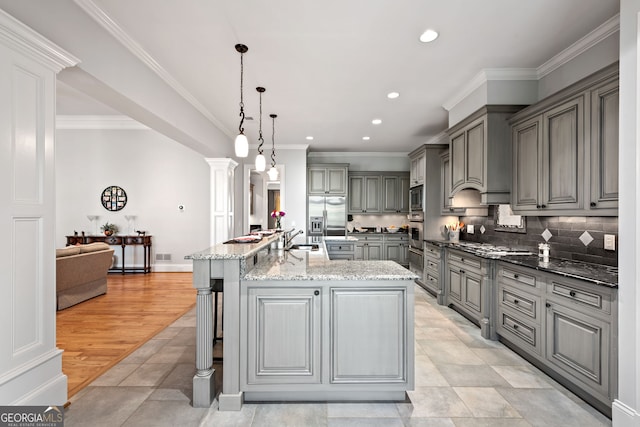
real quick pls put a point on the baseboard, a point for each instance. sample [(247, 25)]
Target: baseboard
[(624, 415), (38, 382), (172, 268)]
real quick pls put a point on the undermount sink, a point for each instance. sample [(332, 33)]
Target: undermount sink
[(307, 247)]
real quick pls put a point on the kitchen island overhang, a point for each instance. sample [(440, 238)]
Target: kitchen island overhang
[(299, 327)]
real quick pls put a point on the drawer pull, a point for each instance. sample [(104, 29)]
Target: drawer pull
[(461, 259), (515, 326), (461, 271), (515, 276), (316, 293), (593, 204), (547, 305), (572, 293), (515, 301)]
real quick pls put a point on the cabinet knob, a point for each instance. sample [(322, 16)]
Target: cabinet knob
[(316, 293), (593, 204), (515, 276), (543, 206), (547, 305), (572, 293), (538, 206), (515, 326), (461, 271), (515, 301)]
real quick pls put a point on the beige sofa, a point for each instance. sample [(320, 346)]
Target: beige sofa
[(81, 273)]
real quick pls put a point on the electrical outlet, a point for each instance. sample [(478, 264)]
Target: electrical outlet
[(470, 229), (610, 242)]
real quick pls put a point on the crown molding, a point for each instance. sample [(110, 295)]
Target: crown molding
[(23, 39), (112, 27), (441, 138), (608, 28), (98, 122), (490, 74)]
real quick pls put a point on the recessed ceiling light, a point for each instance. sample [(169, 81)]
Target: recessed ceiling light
[(393, 95), (428, 36), (310, 138), (376, 121), (365, 138)]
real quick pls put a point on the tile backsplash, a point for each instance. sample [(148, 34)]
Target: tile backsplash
[(567, 239)]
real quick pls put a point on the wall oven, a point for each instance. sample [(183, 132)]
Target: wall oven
[(416, 244)]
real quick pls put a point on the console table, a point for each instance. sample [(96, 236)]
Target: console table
[(122, 241)]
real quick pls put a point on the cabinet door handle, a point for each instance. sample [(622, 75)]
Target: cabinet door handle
[(543, 206), (316, 293), (538, 206), (593, 204), (515, 301), (515, 326), (572, 293), (461, 271), (515, 276), (547, 305)]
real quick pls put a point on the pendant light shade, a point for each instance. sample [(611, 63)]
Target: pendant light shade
[(273, 172), (261, 162), (241, 143)]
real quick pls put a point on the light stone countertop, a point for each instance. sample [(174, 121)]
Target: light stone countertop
[(233, 250), (310, 265)]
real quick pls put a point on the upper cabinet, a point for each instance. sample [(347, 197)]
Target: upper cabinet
[(327, 179), (480, 154), (417, 169), (565, 151), (378, 192)]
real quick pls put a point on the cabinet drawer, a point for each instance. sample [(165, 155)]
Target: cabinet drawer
[(592, 300), (464, 260), (432, 251), (432, 281), (433, 266), (518, 276), (396, 238), (528, 305), (524, 332), (375, 238), (341, 247)]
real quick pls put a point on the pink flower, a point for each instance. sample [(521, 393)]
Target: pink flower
[(276, 214)]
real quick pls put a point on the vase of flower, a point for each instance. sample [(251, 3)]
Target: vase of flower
[(278, 217), (109, 229)]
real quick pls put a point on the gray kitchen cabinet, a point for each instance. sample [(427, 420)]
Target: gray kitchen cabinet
[(368, 335), (341, 250), (565, 326), (284, 335), (604, 146), (480, 154), (364, 193), (565, 151), (327, 179), (547, 157), (433, 271), (468, 288), (395, 193), (369, 251), (396, 248), (417, 161)]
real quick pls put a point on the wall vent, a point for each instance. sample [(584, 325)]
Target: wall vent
[(163, 257)]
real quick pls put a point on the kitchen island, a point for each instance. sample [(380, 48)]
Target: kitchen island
[(298, 326)]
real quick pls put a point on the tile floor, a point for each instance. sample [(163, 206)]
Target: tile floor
[(461, 380)]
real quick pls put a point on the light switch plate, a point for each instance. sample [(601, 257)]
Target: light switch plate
[(470, 229), (610, 242)]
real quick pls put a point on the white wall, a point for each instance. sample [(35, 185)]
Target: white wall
[(626, 409), (157, 173)]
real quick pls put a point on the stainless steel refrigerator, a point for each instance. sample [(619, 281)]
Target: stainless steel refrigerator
[(327, 216)]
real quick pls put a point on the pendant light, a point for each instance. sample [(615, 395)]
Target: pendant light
[(261, 163), (241, 143), (273, 172)]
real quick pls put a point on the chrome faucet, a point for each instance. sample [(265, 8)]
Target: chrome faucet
[(288, 237)]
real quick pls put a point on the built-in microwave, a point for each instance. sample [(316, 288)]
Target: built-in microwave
[(416, 195)]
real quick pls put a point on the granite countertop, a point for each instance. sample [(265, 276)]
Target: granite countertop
[(314, 265), (233, 250), (594, 273)]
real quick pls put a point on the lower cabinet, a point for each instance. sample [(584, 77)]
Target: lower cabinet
[(565, 326), (307, 340), (340, 250), (369, 251), (467, 288), (284, 335)]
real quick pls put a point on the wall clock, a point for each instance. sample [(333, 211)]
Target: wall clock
[(113, 198)]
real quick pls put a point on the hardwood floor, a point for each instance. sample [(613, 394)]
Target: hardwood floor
[(98, 333)]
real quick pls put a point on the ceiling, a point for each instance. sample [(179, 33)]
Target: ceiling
[(327, 66)]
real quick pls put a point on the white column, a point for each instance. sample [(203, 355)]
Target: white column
[(222, 199), (30, 362), (626, 408)]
